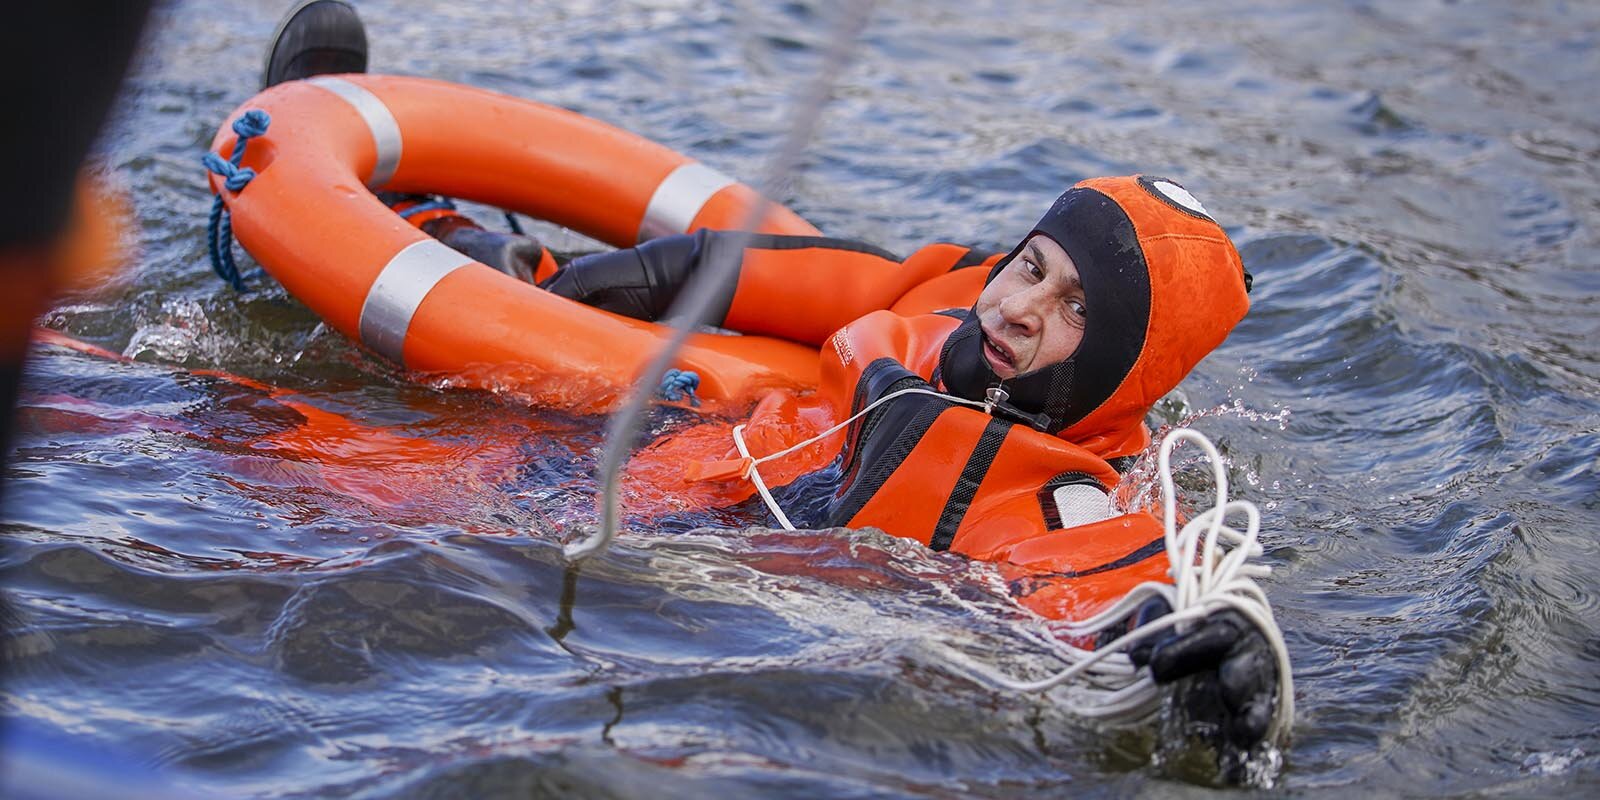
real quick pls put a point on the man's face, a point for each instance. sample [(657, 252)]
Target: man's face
[(1033, 312)]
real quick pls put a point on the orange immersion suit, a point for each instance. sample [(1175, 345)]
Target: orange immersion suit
[(947, 475)]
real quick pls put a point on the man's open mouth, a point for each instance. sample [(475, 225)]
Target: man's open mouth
[(1000, 357)]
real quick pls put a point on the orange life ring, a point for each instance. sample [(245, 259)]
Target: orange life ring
[(310, 218)]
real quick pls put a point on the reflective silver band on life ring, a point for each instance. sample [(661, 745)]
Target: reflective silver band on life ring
[(385, 131), (399, 290), (679, 198)]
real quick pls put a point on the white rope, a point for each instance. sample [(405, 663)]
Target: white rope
[(1210, 571)]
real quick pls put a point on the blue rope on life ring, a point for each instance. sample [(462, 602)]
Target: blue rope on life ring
[(219, 233), (680, 384)]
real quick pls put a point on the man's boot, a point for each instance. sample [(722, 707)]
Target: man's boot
[(316, 37)]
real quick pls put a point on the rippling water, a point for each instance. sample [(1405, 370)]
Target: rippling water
[(1414, 399)]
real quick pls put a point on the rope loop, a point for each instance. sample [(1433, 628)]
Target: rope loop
[(680, 384), (219, 230)]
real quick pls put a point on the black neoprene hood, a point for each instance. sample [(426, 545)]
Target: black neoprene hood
[(1100, 238)]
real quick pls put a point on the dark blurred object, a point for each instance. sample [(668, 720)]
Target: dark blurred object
[(64, 62)]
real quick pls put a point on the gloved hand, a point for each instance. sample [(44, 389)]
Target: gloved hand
[(616, 281), (1233, 676), (515, 255), (639, 282)]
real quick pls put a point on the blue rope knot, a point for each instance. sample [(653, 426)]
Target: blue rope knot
[(251, 124), (680, 384), (219, 233), (234, 177)]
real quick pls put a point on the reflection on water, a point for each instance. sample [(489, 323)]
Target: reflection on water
[(351, 584)]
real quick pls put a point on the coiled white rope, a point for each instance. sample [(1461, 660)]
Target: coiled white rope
[(1211, 572)]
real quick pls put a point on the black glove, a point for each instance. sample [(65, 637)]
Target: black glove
[(514, 254), (639, 282), (1233, 675)]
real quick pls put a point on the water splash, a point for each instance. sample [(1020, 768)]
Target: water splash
[(177, 332), (1139, 485), (1554, 762)]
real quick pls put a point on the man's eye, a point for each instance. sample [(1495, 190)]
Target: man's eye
[(1033, 269), (1077, 308)]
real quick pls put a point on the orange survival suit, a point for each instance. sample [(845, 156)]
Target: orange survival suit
[(1027, 485)]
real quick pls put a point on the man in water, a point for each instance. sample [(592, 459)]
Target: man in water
[(1067, 340)]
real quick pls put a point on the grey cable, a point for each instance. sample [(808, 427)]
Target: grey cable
[(693, 305)]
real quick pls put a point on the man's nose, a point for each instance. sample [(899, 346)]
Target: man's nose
[(1022, 310)]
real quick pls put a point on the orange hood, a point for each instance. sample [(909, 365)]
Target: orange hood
[(1164, 287)]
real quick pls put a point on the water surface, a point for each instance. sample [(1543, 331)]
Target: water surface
[(1414, 400)]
